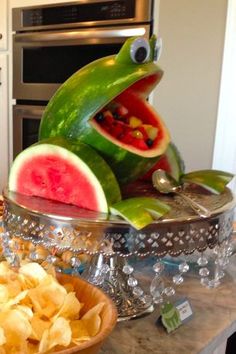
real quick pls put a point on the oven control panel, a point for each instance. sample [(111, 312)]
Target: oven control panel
[(75, 13)]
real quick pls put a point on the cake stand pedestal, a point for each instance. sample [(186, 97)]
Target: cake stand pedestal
[(54, 233)]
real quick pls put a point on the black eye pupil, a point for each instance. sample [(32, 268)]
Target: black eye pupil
[(140, 54)]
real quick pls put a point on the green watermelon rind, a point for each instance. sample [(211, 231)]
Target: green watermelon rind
[(176, 163), (140, 211), (214, 181), (88, 90), (82, 156)]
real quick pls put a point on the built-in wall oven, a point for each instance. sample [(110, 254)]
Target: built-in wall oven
[(51, 42)]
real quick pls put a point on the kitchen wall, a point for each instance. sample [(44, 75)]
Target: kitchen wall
[(187, 97)]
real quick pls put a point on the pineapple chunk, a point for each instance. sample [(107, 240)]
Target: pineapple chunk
[(151, 131), (134, 122)]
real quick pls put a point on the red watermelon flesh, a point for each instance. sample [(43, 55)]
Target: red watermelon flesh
[(51, 177), (129, 121), (162, 164), (55, 172), (171, 161)]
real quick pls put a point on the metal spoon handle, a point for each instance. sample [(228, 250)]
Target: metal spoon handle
[(198, 208)]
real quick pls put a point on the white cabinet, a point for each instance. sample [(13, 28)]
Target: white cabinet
[(3, 121), (3, 25)]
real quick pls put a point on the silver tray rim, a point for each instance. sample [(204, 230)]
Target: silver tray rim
[(95, 217)]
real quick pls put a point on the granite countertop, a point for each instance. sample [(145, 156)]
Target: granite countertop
[(213, 322)]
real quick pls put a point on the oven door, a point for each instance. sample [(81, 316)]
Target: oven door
[(44, 60), (26, 121)]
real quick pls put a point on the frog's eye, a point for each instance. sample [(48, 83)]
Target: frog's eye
[(140, 50), (158, 49)]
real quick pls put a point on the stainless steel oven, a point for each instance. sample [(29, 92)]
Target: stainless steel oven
[(51, 42), (26, 120)]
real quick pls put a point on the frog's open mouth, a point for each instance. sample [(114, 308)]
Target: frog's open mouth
[(130, 122)]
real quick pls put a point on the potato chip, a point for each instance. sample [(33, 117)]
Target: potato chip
[(70, 308), (47, 297), (37, 313), (92, 320), (14, 287), (38, 327), (44, 343), (14, 301), (15, 325), (26, 283), (33, 271), (32, 348), (20, 348), (79, 332), (58, 334), (25, 310)]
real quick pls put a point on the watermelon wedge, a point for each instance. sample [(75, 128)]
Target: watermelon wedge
[(214, 181), (104, 105), (140, 211), (65, 171)]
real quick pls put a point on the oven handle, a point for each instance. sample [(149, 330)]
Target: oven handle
[(80, 34), (29, 111)]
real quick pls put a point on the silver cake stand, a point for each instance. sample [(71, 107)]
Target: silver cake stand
[(108, 242)]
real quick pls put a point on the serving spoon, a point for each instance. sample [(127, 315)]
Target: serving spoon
[(165, 183)]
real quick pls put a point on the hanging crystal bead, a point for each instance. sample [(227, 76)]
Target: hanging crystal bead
[(157, 286), (158, 267), (177, 279), (132, 282), (127, 269), (183, 267), (204, 272), (169, 291), (202, 261)]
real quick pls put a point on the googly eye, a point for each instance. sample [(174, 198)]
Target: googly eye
[(157, 49), (140, 51)]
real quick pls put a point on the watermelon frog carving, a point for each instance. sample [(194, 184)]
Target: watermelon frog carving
[(104, 105), (98, 131)]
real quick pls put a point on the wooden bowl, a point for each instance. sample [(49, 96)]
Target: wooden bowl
[(89, 295)]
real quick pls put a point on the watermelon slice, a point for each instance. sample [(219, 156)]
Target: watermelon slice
[(140, 211), (171, 161), (212, 180), (104, 105), (61, 170)]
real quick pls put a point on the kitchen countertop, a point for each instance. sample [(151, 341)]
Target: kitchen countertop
[(213, 322)]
